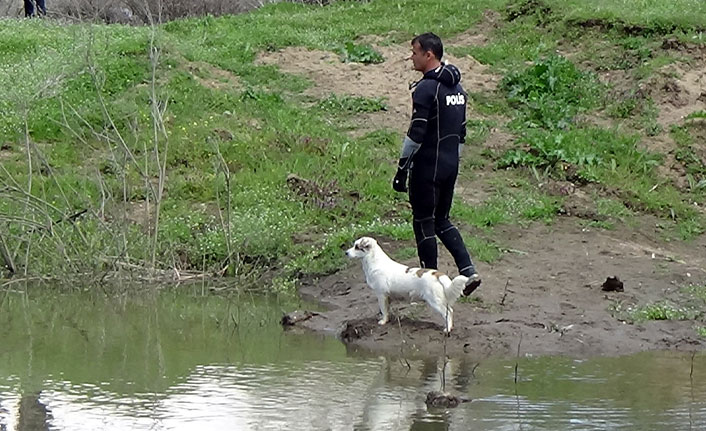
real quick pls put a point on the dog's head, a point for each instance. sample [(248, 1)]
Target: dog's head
[(361, 247)]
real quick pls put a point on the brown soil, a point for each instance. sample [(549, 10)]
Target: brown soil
[(212, 77), (678, 91), (544, 295)]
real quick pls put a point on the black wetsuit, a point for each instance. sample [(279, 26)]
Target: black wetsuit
[(436, 133)]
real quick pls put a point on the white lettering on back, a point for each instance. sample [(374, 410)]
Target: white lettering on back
[(455, 99)]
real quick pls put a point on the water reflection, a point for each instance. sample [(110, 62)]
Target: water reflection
[(183, 361)]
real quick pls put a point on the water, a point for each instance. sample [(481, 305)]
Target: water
[(182, 361)]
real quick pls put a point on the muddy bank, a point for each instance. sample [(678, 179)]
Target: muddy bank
[(543, 297)]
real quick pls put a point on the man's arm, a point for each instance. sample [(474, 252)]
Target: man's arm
[(462, 135), (422, 100), (462, 132)]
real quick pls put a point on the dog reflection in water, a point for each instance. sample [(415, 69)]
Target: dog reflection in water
[(388, 278)]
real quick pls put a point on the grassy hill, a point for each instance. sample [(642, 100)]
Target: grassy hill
[(156, 152)]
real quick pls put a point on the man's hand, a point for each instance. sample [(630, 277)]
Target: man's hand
[(399, 183)]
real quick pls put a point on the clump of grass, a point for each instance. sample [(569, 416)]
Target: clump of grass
[(698, 115), (664, 310), (346, 104), (523, 8), (600, 224), (592, 151), (353, 53), (697, 291), (612, 208), (550, 93), (626, 106), (688, 146), (477, 131)]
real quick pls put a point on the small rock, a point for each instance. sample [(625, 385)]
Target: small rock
[(443, 399), (291, 319), (223, 134), (612, 284)]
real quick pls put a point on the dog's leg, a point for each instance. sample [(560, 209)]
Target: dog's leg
[(447, 314), (384, 303), (449, 319)]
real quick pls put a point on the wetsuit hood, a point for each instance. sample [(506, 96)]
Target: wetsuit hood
[(447, 74)]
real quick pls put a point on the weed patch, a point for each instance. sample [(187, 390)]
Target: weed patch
[(352, 53), (583, 155), (664, 310), (690, 154), (550, 93)]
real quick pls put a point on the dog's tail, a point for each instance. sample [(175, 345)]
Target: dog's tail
[(454, 290)]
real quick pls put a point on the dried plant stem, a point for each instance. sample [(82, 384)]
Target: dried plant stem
[(158, 132), (6, 256), (225, 224)]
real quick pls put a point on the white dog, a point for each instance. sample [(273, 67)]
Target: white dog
[(388, 278)]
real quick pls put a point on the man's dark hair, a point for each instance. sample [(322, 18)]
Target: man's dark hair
[(430, 42)]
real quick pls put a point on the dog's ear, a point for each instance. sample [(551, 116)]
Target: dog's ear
[(366, 243)]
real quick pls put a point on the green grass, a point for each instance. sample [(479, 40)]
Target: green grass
[(696, 291), (512, 45), (335, 105), (351, 52), (654, 15), (612, 208), (550, 93), (698, 115), (508, 205), (406, 253), (664, 310)]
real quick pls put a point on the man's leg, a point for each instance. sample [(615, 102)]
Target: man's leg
[(29, 8), (422, 197), (451, 237), (41, 7), (452, 240), (426, 242)]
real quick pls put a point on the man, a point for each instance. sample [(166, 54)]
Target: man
[(29, 7), (430, 151)]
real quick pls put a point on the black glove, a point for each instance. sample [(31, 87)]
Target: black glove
[(399, 183)]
